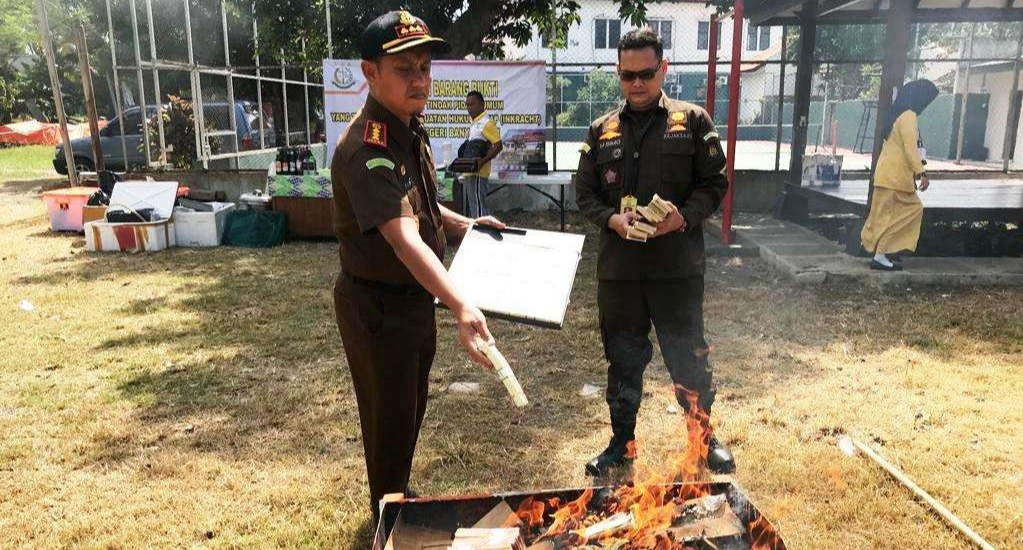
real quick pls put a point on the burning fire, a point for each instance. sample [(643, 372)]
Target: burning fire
[(639, 515), (763, 535)]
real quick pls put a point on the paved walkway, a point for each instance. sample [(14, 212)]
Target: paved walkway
[(807, 257)]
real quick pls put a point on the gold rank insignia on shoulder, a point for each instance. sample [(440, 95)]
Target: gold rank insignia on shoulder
[(677, 122), (609, 130), (375, 134)]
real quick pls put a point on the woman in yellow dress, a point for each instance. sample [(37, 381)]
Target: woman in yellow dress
[(893, 223)]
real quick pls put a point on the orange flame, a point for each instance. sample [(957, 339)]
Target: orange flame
[(651, 499), (570, 513), (530, 511), (763, 536)]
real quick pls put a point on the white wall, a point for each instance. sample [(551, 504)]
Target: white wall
[(685, 17), (998, 85)]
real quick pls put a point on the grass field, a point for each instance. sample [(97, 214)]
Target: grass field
[(200, 399), (29, 162)]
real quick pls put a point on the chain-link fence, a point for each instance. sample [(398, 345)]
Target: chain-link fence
[(583, 84), (223, 106), (183, 86)]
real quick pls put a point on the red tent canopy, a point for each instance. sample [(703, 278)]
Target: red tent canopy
[(32, 132)]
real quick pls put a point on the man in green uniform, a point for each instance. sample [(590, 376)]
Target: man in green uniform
[(652, 145), (392, 233)]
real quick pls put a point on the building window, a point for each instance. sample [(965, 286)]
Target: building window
[(703, 35), (758, 38), (662, 27), (606, 33)]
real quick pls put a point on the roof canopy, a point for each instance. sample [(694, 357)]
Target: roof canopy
[(777, 12)]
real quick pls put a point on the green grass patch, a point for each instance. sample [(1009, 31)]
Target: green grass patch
[(26, 162)]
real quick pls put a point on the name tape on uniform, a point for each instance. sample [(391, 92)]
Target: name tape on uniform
[(378, 162)]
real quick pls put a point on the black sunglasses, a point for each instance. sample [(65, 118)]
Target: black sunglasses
[(645, 74)]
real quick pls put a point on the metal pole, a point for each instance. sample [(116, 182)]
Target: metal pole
[(193, 77), (1012, 125), (142, 90), (803, 92), (232, 116), (781, 98), (259, 74), (284, 95), (733, 120), (58, 100), (966, 97), (712, 64), (156, 84), (330, 40), (305, 88), (553, 31), (90, 99), (117, 84)]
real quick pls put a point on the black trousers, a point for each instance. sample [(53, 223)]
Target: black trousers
[(627, 310), (390, 341)]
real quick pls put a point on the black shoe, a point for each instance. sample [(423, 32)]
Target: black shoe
[(719, 458), (878, 266), (411, 493), (616, 455)]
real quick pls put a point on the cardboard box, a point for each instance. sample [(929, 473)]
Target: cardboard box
[(307, 216), (101, 236), (93, 213), (196, 229)]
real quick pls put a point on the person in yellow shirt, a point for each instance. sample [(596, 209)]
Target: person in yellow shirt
[(482, 130), (896, 213)]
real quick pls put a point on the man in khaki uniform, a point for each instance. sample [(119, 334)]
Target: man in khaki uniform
[(652, 145), (392, 234)]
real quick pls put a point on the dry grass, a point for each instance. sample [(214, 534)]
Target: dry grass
[(200, 399)]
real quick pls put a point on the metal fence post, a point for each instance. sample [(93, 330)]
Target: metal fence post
[(330, 40), (117, 83), (193, 77), (142, 90), (259, 75), (284, 95), (305, 88), (781, 97), (156, 83), (960, 138), (1012, 125), (232, 116)]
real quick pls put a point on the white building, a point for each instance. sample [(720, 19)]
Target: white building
[(684, 27)]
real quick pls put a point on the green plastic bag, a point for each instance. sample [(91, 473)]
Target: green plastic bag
[(255, 228)]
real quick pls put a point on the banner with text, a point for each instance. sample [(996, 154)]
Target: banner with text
[(514, 92)]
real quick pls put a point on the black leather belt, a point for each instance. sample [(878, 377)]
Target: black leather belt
[(387, 288)]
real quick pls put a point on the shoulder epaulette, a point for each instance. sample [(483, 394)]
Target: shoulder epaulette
[(375, 134)]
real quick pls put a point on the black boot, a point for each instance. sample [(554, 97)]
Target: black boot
[(719, 458), (616, 455)]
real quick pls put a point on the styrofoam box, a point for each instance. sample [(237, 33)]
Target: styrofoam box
[(195, 228), (102, 236)]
